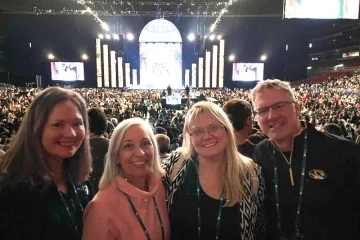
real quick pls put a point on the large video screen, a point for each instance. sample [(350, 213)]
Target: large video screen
[(248, 72), (67, 71), (322, 9), (160, 65)]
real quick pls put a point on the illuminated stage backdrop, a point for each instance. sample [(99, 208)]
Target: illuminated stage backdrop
[(160, 55)]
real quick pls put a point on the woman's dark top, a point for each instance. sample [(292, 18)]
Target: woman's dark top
[(42, 212), (184, 213)]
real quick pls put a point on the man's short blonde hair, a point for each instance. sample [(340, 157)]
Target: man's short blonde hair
[(272, 84)]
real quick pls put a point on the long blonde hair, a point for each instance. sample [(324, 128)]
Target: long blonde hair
[(112, 169), (236, 165)]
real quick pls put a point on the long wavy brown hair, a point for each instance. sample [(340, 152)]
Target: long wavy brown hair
[(25, 159)]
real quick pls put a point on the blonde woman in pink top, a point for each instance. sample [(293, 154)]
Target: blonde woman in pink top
[(131, 201)]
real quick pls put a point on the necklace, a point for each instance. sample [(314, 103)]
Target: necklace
[(301, 190), (289, 163), (141, 222)]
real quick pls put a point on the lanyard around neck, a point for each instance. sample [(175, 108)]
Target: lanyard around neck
[(146, 232), (301, 190), (218, 219)]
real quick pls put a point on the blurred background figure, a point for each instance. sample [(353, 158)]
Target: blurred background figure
[(99, 144), (240, 114), (333, 128), (164, 146)]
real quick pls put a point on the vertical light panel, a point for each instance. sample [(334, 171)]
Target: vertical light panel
[(134, 77), (214, 66), (113, 68), (120, 72), (127, 74), (187, 77), (98, 63), (207, 69), (193, 75), (221, 63), (106, 66), (201, 72)]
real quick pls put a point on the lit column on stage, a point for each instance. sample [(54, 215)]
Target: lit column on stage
[(193, 76), (113, 68), (221, 63), (134, 77), (201, 72), (120, 72), (127, 74), (98, 63), (207, 69), (187, 77), (214, 66), (106, 66)]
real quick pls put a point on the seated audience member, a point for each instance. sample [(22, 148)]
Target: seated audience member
[(99, 144), (160, 130), (163, 142), (42, 175), (240, 114), (131, 201), (333, 128)]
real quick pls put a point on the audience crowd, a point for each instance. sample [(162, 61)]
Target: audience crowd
[(335, 101)]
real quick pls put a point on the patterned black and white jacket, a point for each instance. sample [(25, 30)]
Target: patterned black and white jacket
[(253, 225)]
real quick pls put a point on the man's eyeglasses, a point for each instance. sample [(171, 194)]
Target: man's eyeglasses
[(199, 132), (277, 107)]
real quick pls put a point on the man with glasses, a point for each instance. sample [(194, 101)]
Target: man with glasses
[(311, 178)]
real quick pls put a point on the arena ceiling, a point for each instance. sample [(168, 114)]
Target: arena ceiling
[(166, 8)]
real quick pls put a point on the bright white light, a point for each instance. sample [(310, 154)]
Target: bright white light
[(116, 36), (51, 56), (339, 65), (89, 10), (84, 57), (212, 28), (212, 37), (105, 26), (310, 45), (223, 11), (219, 37), (130, 36), (101, 36), (287, 47), (231, 58), (191, 37), (108, 36), (263, 57), (309, 68)]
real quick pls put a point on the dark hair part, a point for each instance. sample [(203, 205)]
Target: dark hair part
[(333, 128), (163, 143), (238, 111), (25, 159), (97, 121)]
